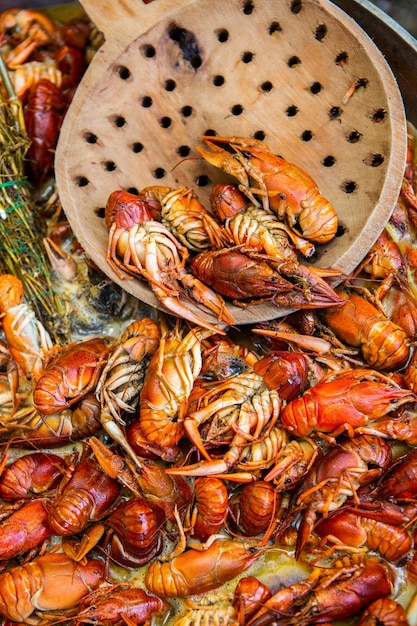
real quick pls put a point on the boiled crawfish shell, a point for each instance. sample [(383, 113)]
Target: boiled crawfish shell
[(137, 533)]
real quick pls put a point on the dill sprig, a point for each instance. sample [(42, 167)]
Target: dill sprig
[(22, 252)]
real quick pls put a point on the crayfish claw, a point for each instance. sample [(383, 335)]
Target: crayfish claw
[(63, 264), (109, 462), (314, 291), (224, 160), (206, 296), (204, 468), (242, 142), (173, 305)]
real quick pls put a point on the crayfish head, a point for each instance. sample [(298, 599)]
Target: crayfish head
[(227, 200), (125, 209)]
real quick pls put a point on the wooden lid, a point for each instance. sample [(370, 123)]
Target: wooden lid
[(301, 74)]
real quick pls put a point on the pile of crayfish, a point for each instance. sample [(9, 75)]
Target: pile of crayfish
[(184, 473), (245, 249), (45, 60)]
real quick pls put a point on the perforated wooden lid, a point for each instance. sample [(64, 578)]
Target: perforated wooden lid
[(299, 74)]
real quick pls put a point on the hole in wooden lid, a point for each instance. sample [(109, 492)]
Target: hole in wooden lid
[(320, 32), (100, 212), (341, 58), (296, 6), (248, 7), (202, 180), (146, 102), (335, 112), (307, 135), (165, 122), (247, 56), (274, 27), (237, 109), (170, 84), (90, 137), (293, 61), (354, 136), (315, 87), (349, 186), (148, 51), (123, 72), (291, 110), (328, 161), (137, 147), (378, 116), (183, 151), (266, 86), (218, 80), (186, 110), (222, 35), (374, 160), (118, 120)]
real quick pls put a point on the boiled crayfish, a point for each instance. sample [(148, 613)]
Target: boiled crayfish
[(343, 402), (249, 277), (284, 187), (384, 344)]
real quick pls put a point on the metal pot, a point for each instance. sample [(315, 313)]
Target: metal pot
[(395, 43)]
